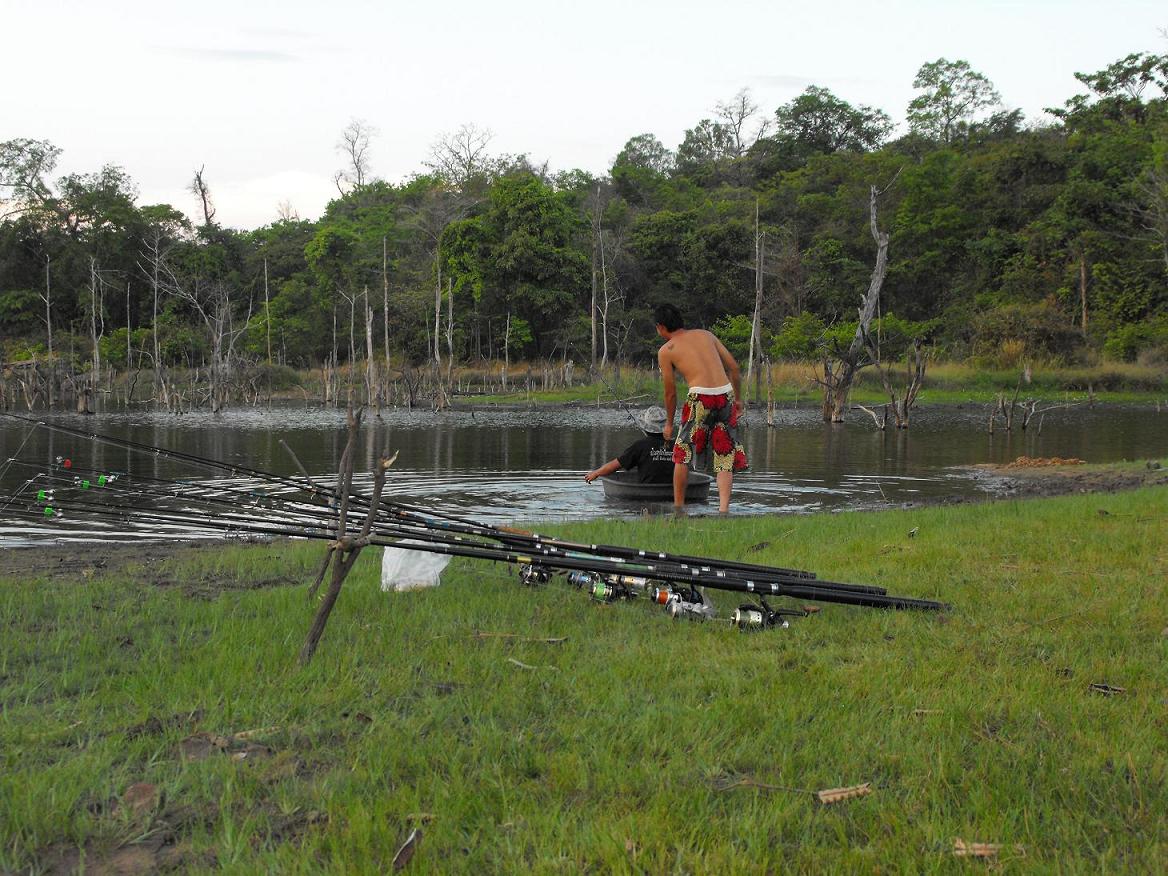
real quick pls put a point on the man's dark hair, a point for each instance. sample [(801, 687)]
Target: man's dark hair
[(668, 316)]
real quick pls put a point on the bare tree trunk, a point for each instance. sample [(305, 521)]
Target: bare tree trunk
[(153, 272), (770, 396), (837, 379), (370, 363), (756, 322), (605, 298), (48, 298), (1083, 291), (915, 378), (438, 310), (596, 246), (450, 333), (333, 362), (385, 304), (268, 329), (506, 351)]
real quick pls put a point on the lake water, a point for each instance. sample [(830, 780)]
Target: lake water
[(528, 465)]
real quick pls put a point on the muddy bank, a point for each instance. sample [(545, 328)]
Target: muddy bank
[(151, 562), (1039, 480)]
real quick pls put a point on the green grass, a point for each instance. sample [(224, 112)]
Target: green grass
[(612, 753)]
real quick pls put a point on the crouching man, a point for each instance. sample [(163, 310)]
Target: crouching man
[(651, 457)]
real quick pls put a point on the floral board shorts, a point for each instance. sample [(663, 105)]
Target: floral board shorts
[(710, 422)]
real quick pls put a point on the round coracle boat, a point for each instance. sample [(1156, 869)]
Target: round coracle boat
[(625, 486)]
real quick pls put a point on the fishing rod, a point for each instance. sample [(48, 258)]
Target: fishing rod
[(235, 517), (616, 395), (533, 541), (506, 535), (822, 591)]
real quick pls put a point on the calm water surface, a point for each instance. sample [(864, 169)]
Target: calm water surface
[(523, 466)]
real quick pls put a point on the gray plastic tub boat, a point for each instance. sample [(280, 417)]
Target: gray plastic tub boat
[(623, 485)]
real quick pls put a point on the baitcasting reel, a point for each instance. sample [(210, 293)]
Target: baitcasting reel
[(762, 617)]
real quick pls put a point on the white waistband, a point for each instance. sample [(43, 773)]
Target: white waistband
[(705, 390)]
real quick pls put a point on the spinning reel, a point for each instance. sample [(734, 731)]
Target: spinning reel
[(762, 617), (534, 576)]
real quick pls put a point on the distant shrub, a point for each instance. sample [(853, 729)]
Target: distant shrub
[(1006, 335), (20, 312), (806, 337), (1140, 340), (113, 346), (734, 332), (800, 338)]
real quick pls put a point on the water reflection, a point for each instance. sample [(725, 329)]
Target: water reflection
[(528, 465)]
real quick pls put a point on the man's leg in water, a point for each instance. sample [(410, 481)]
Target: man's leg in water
[(725, 484), (680, 479)]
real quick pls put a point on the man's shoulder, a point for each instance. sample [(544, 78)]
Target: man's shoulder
[(696, 335)]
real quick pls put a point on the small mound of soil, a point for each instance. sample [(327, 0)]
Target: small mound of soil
[(1038, 461)]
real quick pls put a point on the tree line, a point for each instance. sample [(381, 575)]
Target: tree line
[(1006, 240)]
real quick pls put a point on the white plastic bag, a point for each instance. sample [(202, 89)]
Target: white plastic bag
[(403, 569)]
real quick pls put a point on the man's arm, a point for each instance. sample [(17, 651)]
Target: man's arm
[(604, 471), (665, 360), (731, 368)]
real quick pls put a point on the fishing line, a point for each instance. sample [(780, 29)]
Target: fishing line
[(516, 538)]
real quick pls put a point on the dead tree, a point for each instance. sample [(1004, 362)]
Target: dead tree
[(354, 146), (460, 157), (154, 254), (901, 405), (840, 366), (611, 293), (212, 301), (202, 191), (370, 363)]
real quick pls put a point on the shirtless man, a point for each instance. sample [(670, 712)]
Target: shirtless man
[(709, 418)]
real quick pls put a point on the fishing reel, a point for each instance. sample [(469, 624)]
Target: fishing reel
[(534, 576), (683, 602), (608, 588), (748, 617), (582, 580)]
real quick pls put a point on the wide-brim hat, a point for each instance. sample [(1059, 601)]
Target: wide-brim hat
[(652, 420)]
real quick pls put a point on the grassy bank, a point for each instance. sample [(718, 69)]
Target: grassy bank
[(628, 747)]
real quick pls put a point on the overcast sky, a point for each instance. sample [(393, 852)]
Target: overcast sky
[(259, 92)]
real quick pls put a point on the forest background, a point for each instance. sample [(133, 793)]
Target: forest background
[(1009, 242)]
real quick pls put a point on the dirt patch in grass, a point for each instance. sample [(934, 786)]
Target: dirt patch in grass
[(152, 562), (83, 561), (1028, 478)]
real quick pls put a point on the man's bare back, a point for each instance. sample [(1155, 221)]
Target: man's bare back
[(697, 354)]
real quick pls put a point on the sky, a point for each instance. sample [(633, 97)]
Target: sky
[(257, 93)]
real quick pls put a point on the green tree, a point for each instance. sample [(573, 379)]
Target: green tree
[(641, 168), (818, 121), (953, 93)]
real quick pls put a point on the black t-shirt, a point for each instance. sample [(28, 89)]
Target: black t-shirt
[(651, 457)]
